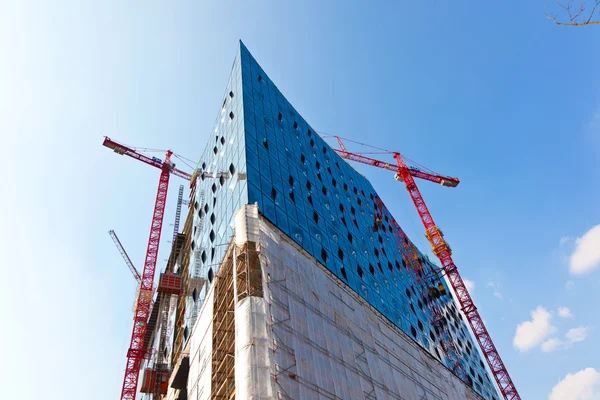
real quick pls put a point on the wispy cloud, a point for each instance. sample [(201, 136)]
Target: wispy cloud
[(551, 344), (495, 289), (493, 284), (578, 334), (569, 285), (586, 256), (581, 385), (573, 335), (470, 285), (594, 124), (564, 312), (529, 334), (564, 240)]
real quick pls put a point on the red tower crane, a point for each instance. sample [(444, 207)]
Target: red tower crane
[(136, 352), (441, 249)]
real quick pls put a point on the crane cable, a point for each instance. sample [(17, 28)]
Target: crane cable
[(382, 151)]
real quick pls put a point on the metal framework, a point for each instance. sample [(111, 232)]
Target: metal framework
[(155, 162), (178, 330), (136, 352), (125, 256), (178, 213), (223, 338), (159, 366), (443, 252), (436, 178)]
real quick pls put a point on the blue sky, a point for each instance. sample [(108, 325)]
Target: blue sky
[(491, 92)]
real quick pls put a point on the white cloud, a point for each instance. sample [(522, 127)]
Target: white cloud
[(498, 295), (577, 334), (564, 312), (551, 344), (470, 285), (582, 385), (531, 333), (586, 256)]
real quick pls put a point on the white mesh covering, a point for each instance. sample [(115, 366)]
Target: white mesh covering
[(252, 366), (247, 225), (328, 343), (201, 341), (312, 338)]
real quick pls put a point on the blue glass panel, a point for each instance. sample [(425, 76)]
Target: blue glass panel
[(272, 149)]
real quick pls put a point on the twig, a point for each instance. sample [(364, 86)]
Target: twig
[(573, 18)]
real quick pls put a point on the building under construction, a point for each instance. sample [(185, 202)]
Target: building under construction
[(291, 279)]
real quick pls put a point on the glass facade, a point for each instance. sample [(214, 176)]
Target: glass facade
[(275, 159), (221, 189)]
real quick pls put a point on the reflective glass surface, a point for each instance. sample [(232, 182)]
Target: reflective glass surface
[(323, 204), (221, 189)]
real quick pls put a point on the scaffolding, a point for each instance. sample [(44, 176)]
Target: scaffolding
[(182, 269), (223, 350)]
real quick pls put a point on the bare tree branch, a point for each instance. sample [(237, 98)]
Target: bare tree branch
[(593, 11), (583, 16)]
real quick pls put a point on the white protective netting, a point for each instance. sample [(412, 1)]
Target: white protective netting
[(310, 337), (328, 343)]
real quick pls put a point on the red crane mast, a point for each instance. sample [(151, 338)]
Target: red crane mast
[(136, 352), (443, 252)]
